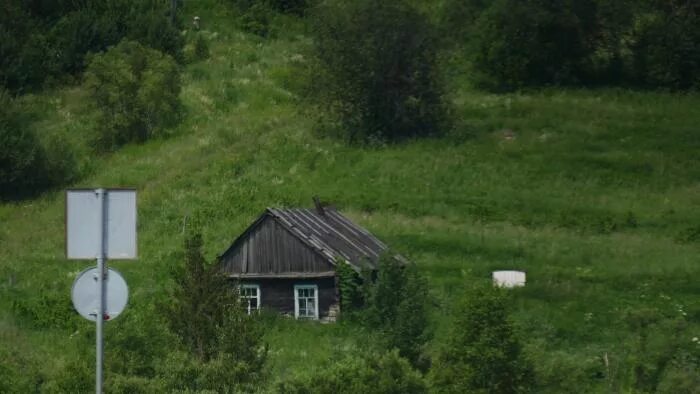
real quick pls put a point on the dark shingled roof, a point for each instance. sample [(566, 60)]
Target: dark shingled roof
[(329, 233)]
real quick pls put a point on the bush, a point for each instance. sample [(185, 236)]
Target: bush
[(201, 47), (352, 295), (382, 374), (396, 305), (28, 165), (21, 155), (516, 43), (374, 73), (256, 19), (135, 90), (297, 7), (663, 350), (665, 45), (482, 352)]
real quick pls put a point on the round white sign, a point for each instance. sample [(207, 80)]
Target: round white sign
[(86, 294)]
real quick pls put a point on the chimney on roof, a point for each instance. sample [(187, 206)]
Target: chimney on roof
[(319, 206)]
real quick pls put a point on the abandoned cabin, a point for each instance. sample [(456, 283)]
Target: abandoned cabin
[(286, 260)]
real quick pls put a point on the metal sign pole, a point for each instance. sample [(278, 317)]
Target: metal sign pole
[(101, 196), (100, 224)]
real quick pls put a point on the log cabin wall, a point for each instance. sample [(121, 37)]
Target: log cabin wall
[(278, 294), (269, 248)]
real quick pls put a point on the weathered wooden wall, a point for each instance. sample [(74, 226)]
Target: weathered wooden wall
[(278, 294), (269, 248)]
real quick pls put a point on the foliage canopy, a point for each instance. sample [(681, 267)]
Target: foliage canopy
[(374, 73), (136, 92), (482, 352), (373, 373)]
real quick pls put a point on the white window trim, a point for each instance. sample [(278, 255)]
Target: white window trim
[(296, 299), (257, 297)]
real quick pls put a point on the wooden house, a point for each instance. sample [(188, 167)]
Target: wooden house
[(286, 260)]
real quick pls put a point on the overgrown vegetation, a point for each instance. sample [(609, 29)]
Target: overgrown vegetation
[(391, 301), (29, 165), (513, 44), (386, 373), (483, 352), (592, 192), (397, 307)]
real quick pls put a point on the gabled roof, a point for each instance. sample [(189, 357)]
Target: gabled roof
[(328, 233)]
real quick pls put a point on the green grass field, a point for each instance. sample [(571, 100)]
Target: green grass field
[(594, 193)]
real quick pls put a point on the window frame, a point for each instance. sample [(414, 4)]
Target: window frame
[(296, 301), (257, 297)]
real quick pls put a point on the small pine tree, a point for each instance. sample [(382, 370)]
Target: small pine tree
[(396, 305), (482, 352), (241, 337), (197, 308), (206, 314)]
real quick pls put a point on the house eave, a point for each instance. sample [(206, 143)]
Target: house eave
[(283, 275)]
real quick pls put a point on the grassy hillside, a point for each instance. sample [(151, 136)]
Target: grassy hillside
[(595, 193)]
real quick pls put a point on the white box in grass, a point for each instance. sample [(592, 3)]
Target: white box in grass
[(508, 278)]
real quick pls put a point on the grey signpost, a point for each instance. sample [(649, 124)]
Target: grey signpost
[(100, 224)]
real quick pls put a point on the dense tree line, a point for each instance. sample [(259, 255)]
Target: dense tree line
[(134, 85), (519, 43), (44, 41), (374, 73)]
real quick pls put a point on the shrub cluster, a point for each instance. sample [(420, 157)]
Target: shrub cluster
[(26, 165), (296, 7), (482, 353), (136, 92), (256, 15), (374, 71), (393, 304), (372, 373)]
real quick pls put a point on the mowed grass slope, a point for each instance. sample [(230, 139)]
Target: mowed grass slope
[(594, 193)]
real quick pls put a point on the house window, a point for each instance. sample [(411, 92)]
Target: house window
[(306, 302), (250, 297)]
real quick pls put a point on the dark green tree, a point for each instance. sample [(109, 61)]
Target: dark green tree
[(374, 74), (482, 352), (665, 44), (517, 43), (204, 311), (21, 155), (197, 309), (396, 305)]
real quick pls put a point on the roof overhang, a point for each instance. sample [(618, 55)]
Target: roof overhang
[(284, 275)]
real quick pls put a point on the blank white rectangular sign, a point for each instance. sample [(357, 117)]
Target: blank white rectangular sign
[(83, 224)]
